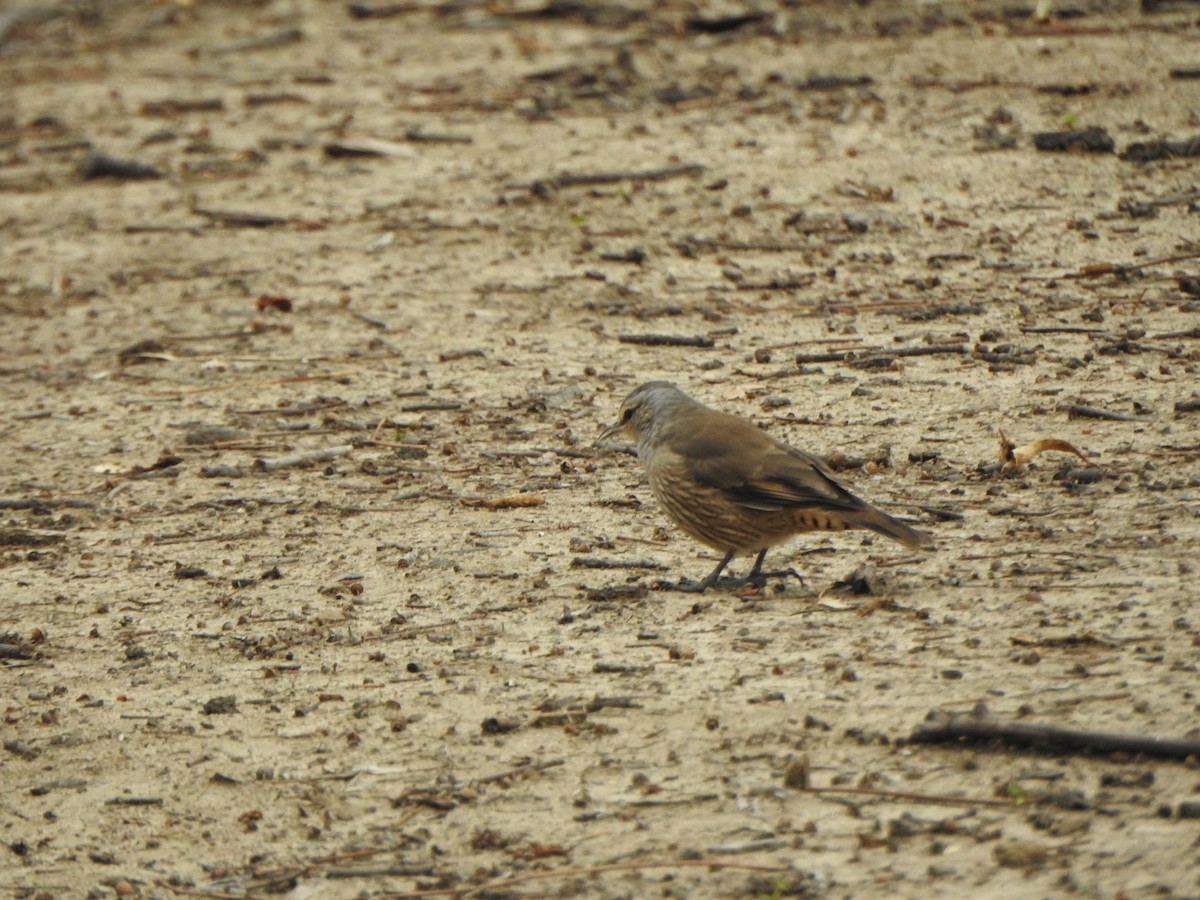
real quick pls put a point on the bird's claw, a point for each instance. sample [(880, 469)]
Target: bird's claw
[(759, 579)]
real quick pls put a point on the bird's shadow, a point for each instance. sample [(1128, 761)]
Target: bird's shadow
[(729, 582)]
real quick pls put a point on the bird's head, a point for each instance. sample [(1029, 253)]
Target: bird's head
[(646, 411)]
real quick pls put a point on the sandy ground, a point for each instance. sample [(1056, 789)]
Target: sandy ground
[(434, 661)]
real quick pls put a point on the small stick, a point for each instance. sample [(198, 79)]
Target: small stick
[(100, 165), (948, 515), (463, 892), (371, 320), (763, 246), (592, 562), (941, 728), (253, 100), (852, 343), (520, 770), (280, 38), (284, 411), (1078, 411), (432, 406), (948, 799), (455, 355), (47, 503), (380, 872), (193, 539), (1062, 329), (371, 11), (172, 107), (778, 284), (510, 501), (413, 631), (881, 352), (170, 229), (583, 179), (428, 137), (1100, 269), (666, 340), (236, 219), (307, 458)]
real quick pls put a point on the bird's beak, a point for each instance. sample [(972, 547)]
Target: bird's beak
[(610, 432)]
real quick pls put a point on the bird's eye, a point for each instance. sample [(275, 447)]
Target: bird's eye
[(627, 415)]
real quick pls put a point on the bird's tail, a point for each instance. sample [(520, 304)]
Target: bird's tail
[(881, 523)]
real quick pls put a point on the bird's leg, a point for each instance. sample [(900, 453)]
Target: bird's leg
[(756, 572), (699, 587), (758, 577)]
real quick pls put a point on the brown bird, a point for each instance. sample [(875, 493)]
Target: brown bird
[(732, 486)]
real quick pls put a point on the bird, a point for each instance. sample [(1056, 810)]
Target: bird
[(732, 486)]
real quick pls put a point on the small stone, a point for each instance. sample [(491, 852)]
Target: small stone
[(220, 706), (796, 775)]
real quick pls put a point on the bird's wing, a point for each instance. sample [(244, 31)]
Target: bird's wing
[(789, 478), (758, 472)]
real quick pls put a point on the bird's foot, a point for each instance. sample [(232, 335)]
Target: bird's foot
[(759, 579)]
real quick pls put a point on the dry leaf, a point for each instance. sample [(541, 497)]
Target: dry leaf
[(1014, 457)]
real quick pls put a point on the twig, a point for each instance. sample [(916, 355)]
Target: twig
[(1172, 335), (181, 891), (307, 458), (942, 727), (280, 38), (45, 503), (237, 385), (583, 179), (593, 562), (463, 892), (371, 320), (237, 219), (947, 799), (101, 165), (1101, 269), (666, 340), (428, 137), (778, 284), (879, 353), (520, 770), (172, 107), (1078, 411), (727, 244), (946, 515), (193, 539), (147, 228), (381, 872), (413, 631), (1061, 329)]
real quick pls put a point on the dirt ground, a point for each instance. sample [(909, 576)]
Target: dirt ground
[(432, 240)]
